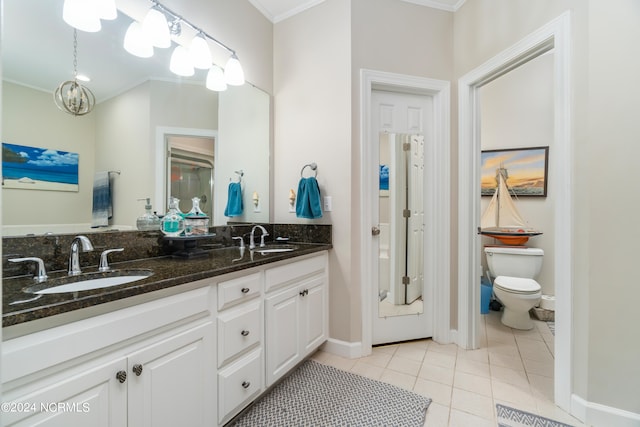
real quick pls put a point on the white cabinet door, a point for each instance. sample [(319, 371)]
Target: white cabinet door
[(313, 313), (282, 333), (89, 395), (172, 381)]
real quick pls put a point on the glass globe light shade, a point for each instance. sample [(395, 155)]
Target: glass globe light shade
[(157, 29), (233, 73), (107, 9), (82, 15), (181, 62), (200, 53), (136, 41), (215, 79)]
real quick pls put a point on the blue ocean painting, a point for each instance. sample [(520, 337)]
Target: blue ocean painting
[(31, 165)]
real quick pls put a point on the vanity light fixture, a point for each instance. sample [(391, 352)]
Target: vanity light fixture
[(136, 41), (233, 73), (160, 24), (82, 15), (156, 27), (181, 62), (200, 53), (85, 15), (107, 9), (71, 97), (215, 79)]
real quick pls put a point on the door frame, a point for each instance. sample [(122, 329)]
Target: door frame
[(439, 275), (554, 35)]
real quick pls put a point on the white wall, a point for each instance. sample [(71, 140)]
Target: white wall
[(517, 111), (312, 108), (608, 213), (29, 117)]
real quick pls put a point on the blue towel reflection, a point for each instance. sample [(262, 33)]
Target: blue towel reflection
[(234, 200), (308, 201)]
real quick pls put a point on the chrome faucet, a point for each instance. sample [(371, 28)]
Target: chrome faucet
[(41, 276), (252, 243), (74, 259)]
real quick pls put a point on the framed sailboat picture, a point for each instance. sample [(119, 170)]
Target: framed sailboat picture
[(526, 170)]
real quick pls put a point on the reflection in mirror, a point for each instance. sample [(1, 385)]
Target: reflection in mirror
[(401, 217), (135, 99)]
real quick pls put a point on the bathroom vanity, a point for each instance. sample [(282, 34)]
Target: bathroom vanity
[(196, 349)]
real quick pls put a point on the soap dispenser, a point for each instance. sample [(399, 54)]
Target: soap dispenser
[(172, 223), (148, 221)]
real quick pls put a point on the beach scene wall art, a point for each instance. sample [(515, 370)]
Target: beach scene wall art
[(33, 168), (526, 170)]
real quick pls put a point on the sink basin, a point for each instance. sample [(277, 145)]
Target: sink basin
[(88, 281), (276, 249)]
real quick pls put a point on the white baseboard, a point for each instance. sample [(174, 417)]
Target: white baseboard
[(349, 350), (595, 414)]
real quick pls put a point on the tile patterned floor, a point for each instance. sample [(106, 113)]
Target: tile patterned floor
[(514, 368)]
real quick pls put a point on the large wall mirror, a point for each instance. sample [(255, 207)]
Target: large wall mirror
[(143, 114)]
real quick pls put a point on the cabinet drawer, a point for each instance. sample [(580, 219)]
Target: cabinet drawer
[(286, 274), (238, 330), (238, 384), (235, 291)]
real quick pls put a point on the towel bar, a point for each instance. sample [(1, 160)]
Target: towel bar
[(313, 166)]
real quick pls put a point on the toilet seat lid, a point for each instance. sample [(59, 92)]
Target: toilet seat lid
[(518, 285)]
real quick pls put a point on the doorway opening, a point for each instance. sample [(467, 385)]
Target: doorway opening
[(556, 36)]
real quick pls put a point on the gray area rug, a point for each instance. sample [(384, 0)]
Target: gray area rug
[(511, 417), (319, 395)]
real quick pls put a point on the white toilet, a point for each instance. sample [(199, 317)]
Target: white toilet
[(514, 270)]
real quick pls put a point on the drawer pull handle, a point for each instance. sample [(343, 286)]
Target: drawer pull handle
[(121, 376), (246, 384), (244, 333), (137, 369), (305, 292), (245, 290)]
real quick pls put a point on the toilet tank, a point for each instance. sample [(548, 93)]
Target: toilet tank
[(514, 262)]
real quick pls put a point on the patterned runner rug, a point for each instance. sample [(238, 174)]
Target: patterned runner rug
[(319, 395), (510, 417)]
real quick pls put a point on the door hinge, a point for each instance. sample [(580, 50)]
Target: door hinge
[(406, 213), (406, 146), (406, 280)]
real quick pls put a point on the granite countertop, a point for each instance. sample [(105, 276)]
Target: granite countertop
[(167, 272)]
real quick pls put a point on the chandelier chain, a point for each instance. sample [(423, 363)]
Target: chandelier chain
[(75, 54)]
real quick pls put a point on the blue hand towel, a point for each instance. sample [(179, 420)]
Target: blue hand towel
[(102, 210), (308, 201), (234, 200)]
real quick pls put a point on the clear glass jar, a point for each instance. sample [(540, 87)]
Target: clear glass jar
[(173, 223)]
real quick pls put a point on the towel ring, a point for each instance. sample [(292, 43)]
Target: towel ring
[(313, 166)]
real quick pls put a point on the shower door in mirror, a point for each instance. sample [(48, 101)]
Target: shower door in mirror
[(401, 225), (402, 306), (191, 173)]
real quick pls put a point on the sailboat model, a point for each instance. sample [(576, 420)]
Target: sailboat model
[(501, 220)]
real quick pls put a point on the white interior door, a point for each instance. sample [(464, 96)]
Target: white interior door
[(404, 309)]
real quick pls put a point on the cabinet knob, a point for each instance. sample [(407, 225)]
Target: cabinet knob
[(137, 369), (246, 384), (121, 376), (245, 290), (244, 333), (305, 292)]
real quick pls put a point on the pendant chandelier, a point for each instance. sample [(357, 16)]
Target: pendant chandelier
[(72, 97)]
